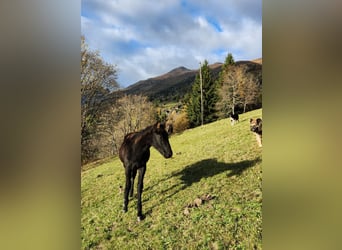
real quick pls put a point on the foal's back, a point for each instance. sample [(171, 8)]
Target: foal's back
[(134, 149)]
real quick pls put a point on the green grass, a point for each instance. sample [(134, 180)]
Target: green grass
[(215, 159)]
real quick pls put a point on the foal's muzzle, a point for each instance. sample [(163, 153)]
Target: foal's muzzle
[(168, 155)]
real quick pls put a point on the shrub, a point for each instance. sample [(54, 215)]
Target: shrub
[(180, 122)]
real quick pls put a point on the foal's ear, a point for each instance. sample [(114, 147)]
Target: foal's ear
[(159, 126)]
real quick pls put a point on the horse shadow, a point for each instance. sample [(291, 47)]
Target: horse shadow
[(207, 168), (210, 167)]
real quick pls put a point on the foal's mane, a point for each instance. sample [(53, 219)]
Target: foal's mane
[(139, 134), (146, 130)]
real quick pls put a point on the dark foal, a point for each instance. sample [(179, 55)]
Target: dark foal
[(134, 154)]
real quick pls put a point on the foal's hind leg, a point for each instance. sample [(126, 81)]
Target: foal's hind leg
[(128, 174), (140, 190), (134, 173)]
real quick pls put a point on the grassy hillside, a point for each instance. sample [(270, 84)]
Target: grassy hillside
[(216, 161)]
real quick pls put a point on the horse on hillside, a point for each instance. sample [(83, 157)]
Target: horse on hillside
[(134, 154)]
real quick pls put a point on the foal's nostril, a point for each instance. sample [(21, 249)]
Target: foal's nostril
[(167, 154)]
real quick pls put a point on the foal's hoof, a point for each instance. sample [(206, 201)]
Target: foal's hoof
[(124, 210), (140, 218)]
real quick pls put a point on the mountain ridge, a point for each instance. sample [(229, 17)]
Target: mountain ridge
[(174, 84)]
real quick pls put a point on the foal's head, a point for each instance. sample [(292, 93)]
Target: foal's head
[(160, 140)]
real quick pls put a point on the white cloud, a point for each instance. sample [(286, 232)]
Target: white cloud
[(202, 22), (148, 38)]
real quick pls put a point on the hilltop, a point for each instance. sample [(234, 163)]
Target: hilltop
[(259, 60)]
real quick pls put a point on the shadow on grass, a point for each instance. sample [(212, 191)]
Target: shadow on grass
[(207, 168), (203, 169)]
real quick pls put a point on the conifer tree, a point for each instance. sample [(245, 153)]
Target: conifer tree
[(229, 61), (210, 98)]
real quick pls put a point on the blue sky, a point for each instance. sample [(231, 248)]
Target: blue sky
[(147, 38)]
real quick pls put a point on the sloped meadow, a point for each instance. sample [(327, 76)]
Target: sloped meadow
[(207, 196)]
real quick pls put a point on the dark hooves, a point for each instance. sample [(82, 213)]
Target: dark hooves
[(141, 217)]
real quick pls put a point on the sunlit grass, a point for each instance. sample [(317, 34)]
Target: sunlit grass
[(215, 159)]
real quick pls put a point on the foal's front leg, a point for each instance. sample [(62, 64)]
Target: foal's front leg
[(140, 190)]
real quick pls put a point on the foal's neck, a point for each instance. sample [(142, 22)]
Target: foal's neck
[(145, 138)]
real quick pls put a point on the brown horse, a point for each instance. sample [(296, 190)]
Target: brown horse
[(134, 154)]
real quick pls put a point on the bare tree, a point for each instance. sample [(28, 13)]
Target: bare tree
[(128, 114), (98, 79), (249, 91), (229, 92), (137, 113), (239, 88)]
